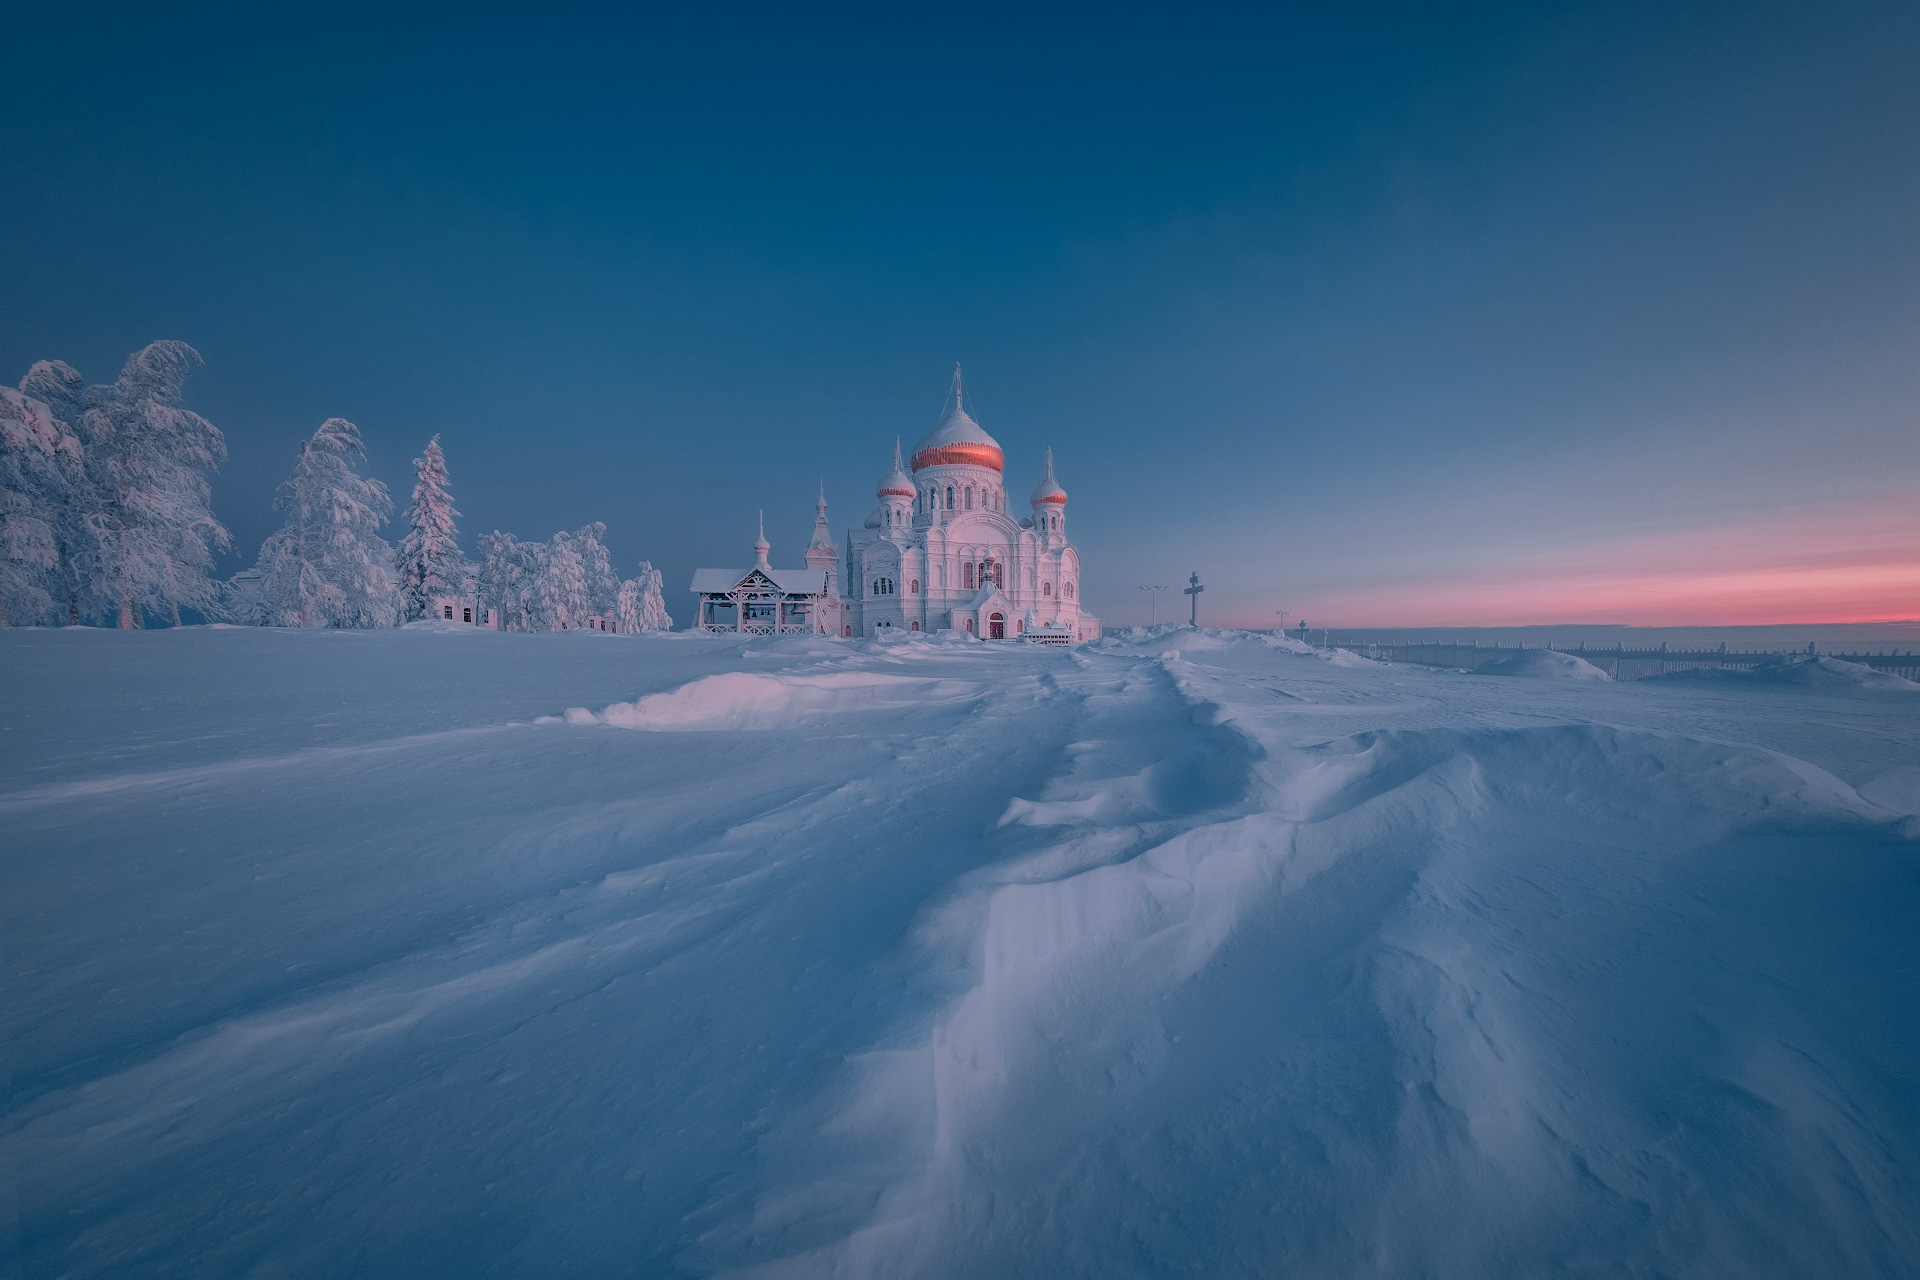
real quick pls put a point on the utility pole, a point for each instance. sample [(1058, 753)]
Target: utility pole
[(1193, 594), (1155, 597)]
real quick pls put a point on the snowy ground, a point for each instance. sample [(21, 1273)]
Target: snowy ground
[(359, 953)]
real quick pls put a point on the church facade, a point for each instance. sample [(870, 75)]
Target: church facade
[(942, 550), (945, 549)]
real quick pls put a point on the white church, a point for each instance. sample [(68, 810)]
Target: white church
[(942, 551)]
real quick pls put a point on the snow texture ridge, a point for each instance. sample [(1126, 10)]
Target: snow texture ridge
[(1182, 953)]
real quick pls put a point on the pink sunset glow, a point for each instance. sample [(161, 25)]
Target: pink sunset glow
[(1857, 561)]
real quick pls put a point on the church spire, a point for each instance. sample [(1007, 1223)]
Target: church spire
[(761, 546), (822, 535), (957, 406)]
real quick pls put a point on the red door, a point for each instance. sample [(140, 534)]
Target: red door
[(997, 627)]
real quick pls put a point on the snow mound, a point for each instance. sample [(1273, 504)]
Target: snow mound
[(748, 700), (1802, 670), (1546, 663)]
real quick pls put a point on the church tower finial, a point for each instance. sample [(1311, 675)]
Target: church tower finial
[(957, 407)]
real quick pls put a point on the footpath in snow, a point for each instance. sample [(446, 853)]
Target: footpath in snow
[(449, 952)]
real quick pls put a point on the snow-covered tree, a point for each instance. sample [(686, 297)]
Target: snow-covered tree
[(40, 479), (509, 572), (152, 532), (603, 584), (653, 606), (328, 567), (560, 593), (59, 387), (429, 556), (626, 608)]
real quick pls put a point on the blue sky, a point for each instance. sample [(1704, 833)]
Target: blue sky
[(1390, 312)]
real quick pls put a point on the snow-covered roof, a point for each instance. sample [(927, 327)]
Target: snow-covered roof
[(792, 581)]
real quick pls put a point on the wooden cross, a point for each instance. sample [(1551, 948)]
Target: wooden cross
[(1193, 593)]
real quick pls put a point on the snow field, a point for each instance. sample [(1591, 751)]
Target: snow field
[(1181, 953)]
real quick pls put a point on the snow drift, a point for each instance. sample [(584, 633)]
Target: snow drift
[(1804, 671), (946, 960), (1547, 663), (746, 700)]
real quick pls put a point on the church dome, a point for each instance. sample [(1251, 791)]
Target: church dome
[(958, 440), (1049, 490), (896, 483)]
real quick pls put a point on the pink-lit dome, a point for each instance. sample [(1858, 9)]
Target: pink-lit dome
[(896, 483), (959, 440), (1050, 490)]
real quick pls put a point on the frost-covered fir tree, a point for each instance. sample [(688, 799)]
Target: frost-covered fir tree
[(626, 608), (41, 479), (151, 532), (429, 556), (504, 579), (560, 593), (328, 567), (653, 606), (59, 387), (603, 584)]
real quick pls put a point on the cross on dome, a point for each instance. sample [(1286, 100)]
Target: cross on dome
[(896, 483), (1049, 490), (958, 440)]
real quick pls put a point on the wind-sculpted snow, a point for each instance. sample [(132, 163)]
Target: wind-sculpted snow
[(1807, 671), (1542, 664), (1180, 954), (747, 700)]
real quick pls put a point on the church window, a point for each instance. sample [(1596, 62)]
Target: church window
[(446, 612), (969, 624), (883, 586), (966, 576), (969, 497), (913, 588), (1046, 589), (1069, 590), (466, 615), (949, 497), (913, 626)]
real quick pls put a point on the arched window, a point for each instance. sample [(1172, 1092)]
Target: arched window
[(1069, 590), (1046, 588), (913, 626), (966, 576), (883, 586), (914, 587), (969, 624), (949, 497), (969, 497)]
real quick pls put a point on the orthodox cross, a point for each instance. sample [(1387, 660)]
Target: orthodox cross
[(1193, 594)]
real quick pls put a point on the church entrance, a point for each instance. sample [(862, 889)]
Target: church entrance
[(997, 627)]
